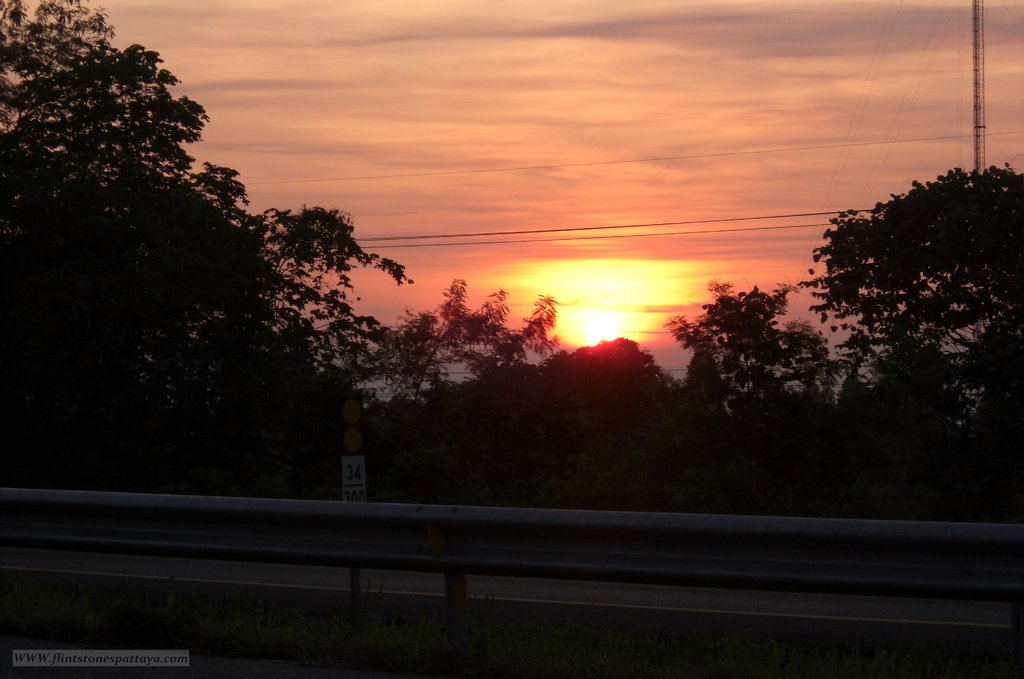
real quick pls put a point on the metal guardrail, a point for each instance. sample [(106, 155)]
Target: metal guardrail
[(970, 561)]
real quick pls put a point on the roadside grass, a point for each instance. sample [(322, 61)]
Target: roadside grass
[(497, 650)]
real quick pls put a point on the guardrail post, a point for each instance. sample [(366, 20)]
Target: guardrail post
[(456, 595), (355, 587), (1017, 620), (456, 605)]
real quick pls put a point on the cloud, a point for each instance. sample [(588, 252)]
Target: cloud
[(665, 308), (748, 30)]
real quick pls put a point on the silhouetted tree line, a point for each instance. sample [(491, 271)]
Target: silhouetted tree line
[(766, 420), (158, 336)]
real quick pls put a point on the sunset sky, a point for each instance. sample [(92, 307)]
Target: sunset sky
[(457, 117)]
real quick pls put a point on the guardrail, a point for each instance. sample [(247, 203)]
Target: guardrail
[(970, 561)]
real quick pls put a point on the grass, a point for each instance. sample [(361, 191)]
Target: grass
[(243, 628)]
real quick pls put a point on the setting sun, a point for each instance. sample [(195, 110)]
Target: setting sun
[(601, 326), (604, 299)]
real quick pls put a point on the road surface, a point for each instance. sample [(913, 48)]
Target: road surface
[(810, 618)]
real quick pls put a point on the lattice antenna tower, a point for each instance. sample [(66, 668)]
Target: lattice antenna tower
[(979, 85)]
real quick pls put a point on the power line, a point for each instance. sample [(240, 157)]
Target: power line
[(522, 232), (556, 166), (578, 238)]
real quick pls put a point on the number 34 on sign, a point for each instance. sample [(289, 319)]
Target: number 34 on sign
[(353, 478)]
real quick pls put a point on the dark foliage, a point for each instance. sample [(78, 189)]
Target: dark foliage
[(758, 425), (929, 287), (156, 335)]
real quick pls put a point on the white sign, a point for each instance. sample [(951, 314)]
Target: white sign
[(353, 478)]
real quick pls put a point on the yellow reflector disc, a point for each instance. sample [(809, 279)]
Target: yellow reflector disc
[(352, 440), (351, 411)]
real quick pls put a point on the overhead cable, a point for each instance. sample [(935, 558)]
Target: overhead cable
[(522, 232), (604, 237)]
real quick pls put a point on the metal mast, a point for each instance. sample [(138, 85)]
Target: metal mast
[(979, 85)]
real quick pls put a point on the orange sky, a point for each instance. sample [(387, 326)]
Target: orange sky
[(756, 102)]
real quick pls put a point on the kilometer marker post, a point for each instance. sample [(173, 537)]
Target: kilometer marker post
[(353, 467), (353, 489)]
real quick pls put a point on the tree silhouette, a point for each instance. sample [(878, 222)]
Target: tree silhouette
[(425, 346), (938, 270), (740, 333), (930, 288), (156, 334)]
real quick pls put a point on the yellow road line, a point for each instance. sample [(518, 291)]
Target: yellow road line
[(523, 600), (762, 614)]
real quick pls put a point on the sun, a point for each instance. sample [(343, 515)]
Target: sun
[(603, 299), (600, 326), (583, 324)]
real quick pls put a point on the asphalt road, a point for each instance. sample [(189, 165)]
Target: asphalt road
[(829, 619)]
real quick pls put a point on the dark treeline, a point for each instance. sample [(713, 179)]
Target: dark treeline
[(159, 336), (766, 420)]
